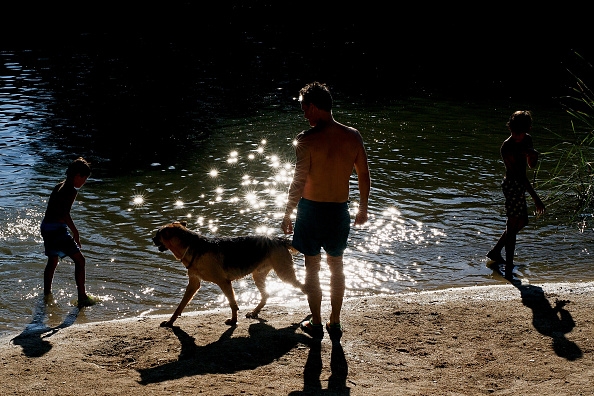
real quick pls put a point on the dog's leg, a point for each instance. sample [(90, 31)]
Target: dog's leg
[(260, 280), (191, 289), (227, 289)]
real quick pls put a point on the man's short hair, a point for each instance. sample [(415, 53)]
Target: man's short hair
[(317, 94)]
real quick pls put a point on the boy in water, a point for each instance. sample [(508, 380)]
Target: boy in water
[(517, 151), (58, 242)]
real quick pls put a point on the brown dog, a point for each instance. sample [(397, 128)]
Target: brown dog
[(223, 260)]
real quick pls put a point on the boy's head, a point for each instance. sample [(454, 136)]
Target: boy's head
[(520, 121), (317, 94), (79, 167)]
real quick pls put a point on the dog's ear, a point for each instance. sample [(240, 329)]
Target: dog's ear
[(184, 223)]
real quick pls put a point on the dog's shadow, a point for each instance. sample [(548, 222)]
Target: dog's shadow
[(227, 355), (551, 321), (33, 338)]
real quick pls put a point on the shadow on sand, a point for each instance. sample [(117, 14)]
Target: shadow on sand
[(312, 383), (33, 338), (551, 321), (264, 345)]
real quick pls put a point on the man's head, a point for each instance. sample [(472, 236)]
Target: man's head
[(317, 94)]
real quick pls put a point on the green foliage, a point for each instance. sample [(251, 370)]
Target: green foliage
[(571, 180)]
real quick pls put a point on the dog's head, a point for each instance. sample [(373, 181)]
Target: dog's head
[(165, 233)]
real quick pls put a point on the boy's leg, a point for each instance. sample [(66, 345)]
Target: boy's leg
[(48, 274), (312, 287), (514, 225), (79, 274), (337, 287), (495, 253)]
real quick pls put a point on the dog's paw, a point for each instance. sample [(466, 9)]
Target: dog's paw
[(231, 322), (251, 315), (167, 323)]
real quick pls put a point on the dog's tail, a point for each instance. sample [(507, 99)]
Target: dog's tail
[(286, 242)]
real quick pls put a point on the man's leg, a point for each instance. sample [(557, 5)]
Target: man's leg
[(313, 288), (337, 287)]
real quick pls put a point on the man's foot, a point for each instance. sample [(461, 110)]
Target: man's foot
[(316, 331), (86, 301), (496, 257), (334, 330)]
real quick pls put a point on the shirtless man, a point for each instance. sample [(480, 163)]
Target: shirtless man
[(517, 151), (326, 155)]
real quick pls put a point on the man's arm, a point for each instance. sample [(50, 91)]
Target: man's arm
[(297, 185), (364, 181)]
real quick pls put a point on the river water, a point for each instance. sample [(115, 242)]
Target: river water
[(435, 207)]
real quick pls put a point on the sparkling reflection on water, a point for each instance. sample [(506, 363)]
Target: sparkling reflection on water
[(435, 208)]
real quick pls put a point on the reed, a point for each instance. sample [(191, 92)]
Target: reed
[(570, 182)]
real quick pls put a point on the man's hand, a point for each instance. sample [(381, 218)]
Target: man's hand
[(287, 225), (361, 217)]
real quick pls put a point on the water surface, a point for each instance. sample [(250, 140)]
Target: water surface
[(435, 205)]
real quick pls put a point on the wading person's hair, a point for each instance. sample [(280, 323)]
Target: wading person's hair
[(317, 94), (520, 121), (79, 167)]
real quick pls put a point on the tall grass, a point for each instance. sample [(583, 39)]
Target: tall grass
[(571, 180)]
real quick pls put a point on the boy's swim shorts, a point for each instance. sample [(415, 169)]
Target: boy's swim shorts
[(57, 240), (515, 198)]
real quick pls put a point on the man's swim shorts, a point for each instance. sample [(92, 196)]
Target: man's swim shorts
[(57, 240), (515, 198), (321, 225)]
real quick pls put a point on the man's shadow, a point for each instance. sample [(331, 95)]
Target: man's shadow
[(227, 355), (33, 338), (551, 321), (312, 384)]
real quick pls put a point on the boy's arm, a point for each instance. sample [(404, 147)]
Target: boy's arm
[(540, 208), (74, 230), (532, 160), (68, 219), (532, 157), (531, 154)]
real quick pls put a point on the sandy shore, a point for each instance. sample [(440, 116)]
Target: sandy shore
[(494, 340)]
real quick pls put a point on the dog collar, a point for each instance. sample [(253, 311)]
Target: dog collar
[(184, 255)]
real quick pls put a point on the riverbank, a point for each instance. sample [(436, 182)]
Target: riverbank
[(497, 340)]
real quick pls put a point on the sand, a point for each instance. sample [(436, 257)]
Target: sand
[(486, 340)]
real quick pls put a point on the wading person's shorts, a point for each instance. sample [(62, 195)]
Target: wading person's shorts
[(57, 240), (321, 225), (515, 198)]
